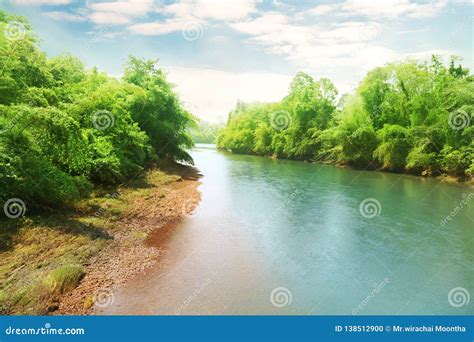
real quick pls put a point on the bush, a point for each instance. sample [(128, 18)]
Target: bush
[(421, 162), (394, 146), (358, 146), (457, 161), (64, 128)]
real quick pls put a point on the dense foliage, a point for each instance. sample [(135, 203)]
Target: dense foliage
[(407, 116), (64, 128), (205, 132)]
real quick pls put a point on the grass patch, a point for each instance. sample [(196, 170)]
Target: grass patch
[(45, 256), (64, 278)]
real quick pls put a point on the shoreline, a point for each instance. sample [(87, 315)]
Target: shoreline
[(130, 254), (441, 177), (68, 261)]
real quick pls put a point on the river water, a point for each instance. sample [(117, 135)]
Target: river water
[(287, 237)]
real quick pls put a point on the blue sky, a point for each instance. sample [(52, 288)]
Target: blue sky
[(219, 51)]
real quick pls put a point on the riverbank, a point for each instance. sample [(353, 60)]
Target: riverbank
[(452, 179), (448, 178), (65, 263)]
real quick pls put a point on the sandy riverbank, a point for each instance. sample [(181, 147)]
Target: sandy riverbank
[(128, 254)]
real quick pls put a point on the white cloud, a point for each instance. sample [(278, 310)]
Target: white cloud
[(160, 28), (283, 5), (127, 7), (266, 23), (57, 15), (341, 47), (41, 2), (119, 12), (344, 47), (343, 52), (317, 47), (109, 18), (196, 14), (382, 9), (322, 9), (210, 94), (210, 9)]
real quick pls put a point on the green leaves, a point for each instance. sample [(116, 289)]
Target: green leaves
[(406, 116), (63, 127), (395, 144), (158, 111)]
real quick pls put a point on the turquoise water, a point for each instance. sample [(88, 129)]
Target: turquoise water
[(286, 237)]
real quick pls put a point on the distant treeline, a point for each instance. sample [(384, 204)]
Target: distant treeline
[(64, 128), (205, 132), (404, 117)]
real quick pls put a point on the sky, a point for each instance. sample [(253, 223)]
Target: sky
[(217, 52)]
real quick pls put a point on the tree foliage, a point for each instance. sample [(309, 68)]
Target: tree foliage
[(205, 132), (64, 129), (408, 116)]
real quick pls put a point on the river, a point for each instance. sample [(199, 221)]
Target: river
[(287, 237)]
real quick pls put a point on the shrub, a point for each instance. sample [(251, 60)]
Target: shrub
[(394, 147)]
